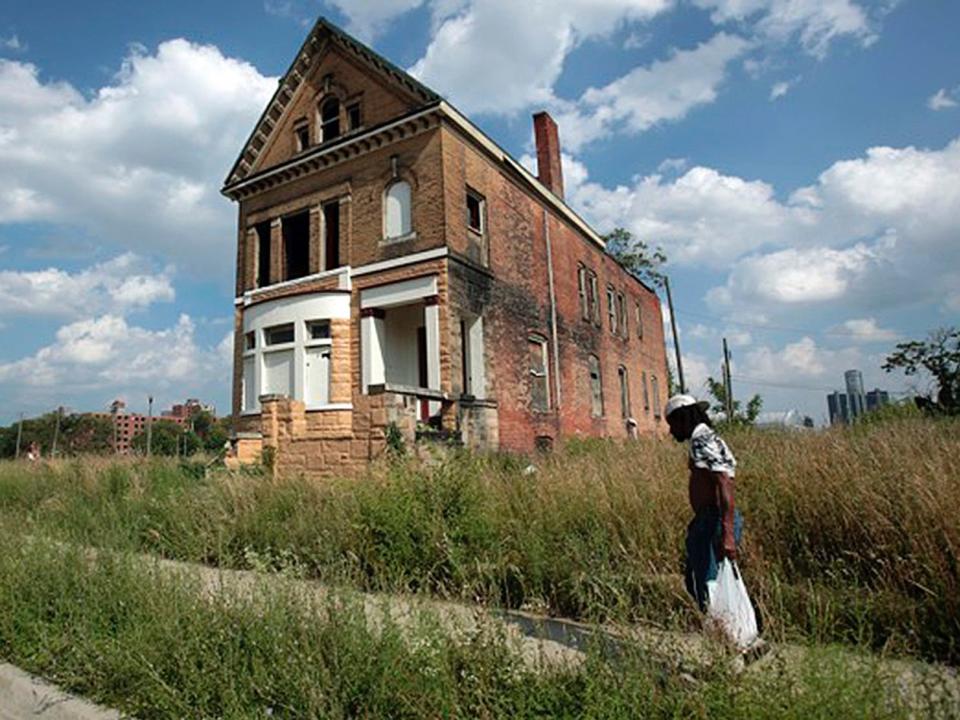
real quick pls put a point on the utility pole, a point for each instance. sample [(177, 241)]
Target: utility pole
[(727, 381), (149, 425), (676, 338), (56, 433), (19, 437)]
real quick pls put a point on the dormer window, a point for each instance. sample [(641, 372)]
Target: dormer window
[(329, 119), (302, 133)]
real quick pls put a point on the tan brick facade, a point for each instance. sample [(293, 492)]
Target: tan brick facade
[(463, 298)]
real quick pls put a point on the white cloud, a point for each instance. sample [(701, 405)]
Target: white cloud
[(138, 164), (520, 47), (370, 17), (798, 359), (12, 43), (866, 330), (676, 165), (943, 99), (779, 89), (814, 23), (108, 353), (119, 285)]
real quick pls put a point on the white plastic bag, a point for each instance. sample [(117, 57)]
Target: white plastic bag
[(730, 605)]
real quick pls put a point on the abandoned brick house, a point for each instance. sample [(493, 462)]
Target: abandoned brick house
[(395, 266)]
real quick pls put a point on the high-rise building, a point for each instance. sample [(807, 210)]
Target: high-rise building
[(876, 399), (837, 405), (855, 398)]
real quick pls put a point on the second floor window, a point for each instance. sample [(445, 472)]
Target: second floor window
[(396, 211), (596, 387), (639, 321), (612, 310), (582, 288), (539, 373), (302, 133), (475, 220), (329, 119), (622, 315)]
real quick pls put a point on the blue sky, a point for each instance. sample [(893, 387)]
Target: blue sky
[(798, 161)]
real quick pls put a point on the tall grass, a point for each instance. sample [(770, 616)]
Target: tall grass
[(154, 646), (851, 535)]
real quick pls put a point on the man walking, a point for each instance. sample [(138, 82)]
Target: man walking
[(714, 532)]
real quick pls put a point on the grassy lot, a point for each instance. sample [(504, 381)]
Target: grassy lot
[(851, 535), (157, 647)]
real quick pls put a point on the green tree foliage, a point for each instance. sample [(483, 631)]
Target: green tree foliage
[(169, 439), (78, 434), (636, 256), (747, 416), (213, 433), (939, 355)]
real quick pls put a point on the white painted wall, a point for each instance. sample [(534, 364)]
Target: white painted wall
[(400, 354)]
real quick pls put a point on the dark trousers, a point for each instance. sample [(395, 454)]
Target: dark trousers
[(704, 540)]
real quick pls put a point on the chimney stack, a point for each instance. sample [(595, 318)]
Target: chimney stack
[(549, 170)]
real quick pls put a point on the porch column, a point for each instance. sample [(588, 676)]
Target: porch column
[(372, 342), (431, 322)]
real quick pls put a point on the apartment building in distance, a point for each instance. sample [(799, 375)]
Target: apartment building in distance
[(395, 267)]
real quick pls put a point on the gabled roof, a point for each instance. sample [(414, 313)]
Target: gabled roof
[(322, 34)]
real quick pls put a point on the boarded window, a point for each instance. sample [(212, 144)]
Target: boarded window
[(396, 210), (278, 373), (539, 375), (296, 245), (263, 253), (316, 375), (596, 387), (329, 120), (624, 392), (331, 235), (249, 400), (656, 396)]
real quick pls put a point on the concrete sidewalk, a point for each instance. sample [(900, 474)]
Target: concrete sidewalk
[(24, 697)]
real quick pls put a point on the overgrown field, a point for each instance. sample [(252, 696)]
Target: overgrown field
[(155, 646), (851, 535)]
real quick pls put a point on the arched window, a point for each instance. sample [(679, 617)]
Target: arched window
[(329, 119), (396, 210)]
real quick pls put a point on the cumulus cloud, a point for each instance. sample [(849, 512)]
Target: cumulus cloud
[(12, 43), (943, 99), (138, 163), (108, 353), (866, 330), (780, 89), (520, 46), (814, 23), (119, 285)]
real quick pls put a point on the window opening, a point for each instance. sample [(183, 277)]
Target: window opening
[(302, 133), (646, 394), (250, 341), (278, 334), (263, 253), (596, 387), (353, 116), (397, 210), (622, 315), (594, 296), (639, 321), (331, 234), (318, 329), (656, 396), (539, 375), (582, 288), (296, 245), (475, 212), (611, 311), (624, 393), (329, 119)]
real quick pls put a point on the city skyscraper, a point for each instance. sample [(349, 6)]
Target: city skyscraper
[(837, 405), (876, 399), (856, 402)]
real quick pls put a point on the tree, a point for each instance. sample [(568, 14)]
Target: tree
[(636, 256), (939, 355), (78, 434), (169, 438), (747, 417)]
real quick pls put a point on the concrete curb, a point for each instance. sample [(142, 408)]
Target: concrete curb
[(24, 697)]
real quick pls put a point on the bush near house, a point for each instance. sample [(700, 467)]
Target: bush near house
[(851, 534)]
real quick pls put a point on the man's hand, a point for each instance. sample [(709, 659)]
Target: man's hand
[(729, 549)]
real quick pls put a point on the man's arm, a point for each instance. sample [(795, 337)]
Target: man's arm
[(725, 501)]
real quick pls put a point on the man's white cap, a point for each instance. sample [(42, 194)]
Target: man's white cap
[(679, 401)]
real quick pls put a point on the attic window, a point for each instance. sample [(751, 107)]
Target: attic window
[(302, 133), (329, 119), (353, 116)]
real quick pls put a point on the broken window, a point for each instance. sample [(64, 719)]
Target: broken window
[(475, 205), (329, 119), (624, 392), (656, 396), (263, 253), (611, 310), (622, 315), (582, 288), (353, 116), (302, 133), (596, 387), (331, 235), (646, 394), (594, 288), (296, 245), (539, 374), (278, 334), (396, 210), (250, 341)]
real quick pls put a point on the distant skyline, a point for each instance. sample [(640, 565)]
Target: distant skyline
[(797, 160)]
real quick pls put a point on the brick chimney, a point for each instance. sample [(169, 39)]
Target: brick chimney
[(549, 170)]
